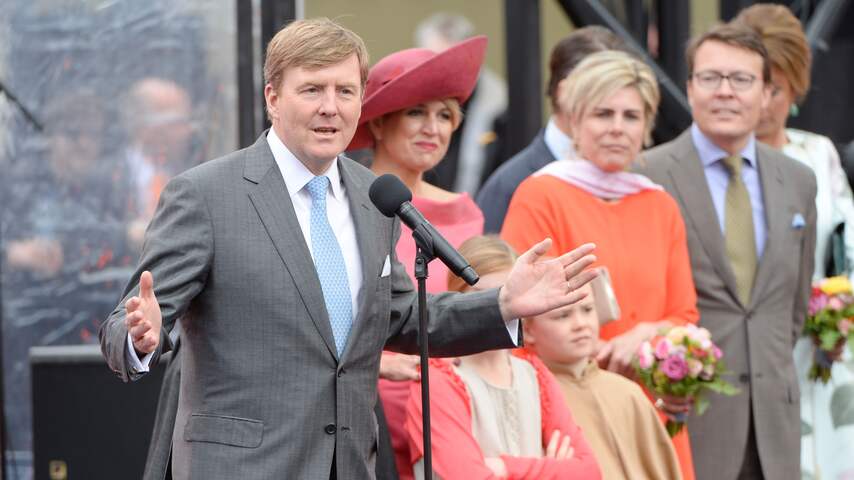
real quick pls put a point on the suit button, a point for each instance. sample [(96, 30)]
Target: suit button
[(330, 429), (744, 378), (341, 372)]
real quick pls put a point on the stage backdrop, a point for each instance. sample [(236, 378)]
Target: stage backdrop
[(129, 94)]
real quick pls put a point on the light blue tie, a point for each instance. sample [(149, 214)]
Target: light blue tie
[(329, 262)]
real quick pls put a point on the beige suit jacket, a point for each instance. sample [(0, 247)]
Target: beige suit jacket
[(757, 339)]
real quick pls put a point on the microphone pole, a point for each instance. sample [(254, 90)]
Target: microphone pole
[(424, 254), (391, 197)]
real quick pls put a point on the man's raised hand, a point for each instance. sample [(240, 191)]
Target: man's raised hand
[(537, 286), (143, 317)]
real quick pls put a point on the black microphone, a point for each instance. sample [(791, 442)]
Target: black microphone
[(391, 197)]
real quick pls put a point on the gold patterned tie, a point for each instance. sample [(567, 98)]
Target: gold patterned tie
[(738, 229)]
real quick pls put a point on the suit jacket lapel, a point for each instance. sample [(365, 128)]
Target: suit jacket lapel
[(364, 220), (273, 203), (774, 198), (689, 179)]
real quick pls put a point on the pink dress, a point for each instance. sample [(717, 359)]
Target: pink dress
[(457, 220)]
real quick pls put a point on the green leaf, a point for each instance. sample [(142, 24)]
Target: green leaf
[(842, 405), (722, 387), (701, 404), (673, 427), (829, 339)]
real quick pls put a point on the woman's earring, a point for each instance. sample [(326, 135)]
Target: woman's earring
[(794, 110)]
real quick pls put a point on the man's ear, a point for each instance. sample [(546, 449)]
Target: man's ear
[(271, 98)]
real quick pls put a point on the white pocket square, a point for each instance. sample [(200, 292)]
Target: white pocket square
[(386, 267), (798, 221)]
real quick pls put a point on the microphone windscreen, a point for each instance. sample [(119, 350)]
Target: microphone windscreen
[(388, 193)]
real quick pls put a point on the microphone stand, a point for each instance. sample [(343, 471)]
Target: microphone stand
[(424, 254)]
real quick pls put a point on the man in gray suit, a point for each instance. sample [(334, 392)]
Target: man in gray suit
[(551, 143), (285, 280), (750, 218)]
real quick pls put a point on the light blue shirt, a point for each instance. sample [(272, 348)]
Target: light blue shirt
[(558, 143), (717, 176)]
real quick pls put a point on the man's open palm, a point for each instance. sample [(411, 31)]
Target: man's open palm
[(143, 316), (537, 286)]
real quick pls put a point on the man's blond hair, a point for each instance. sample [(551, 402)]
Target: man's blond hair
[(312, 43)]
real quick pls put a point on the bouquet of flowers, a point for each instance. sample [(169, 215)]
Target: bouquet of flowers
[(682, 361), (829, 318)]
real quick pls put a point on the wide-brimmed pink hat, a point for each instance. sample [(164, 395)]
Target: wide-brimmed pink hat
[(417, 75)]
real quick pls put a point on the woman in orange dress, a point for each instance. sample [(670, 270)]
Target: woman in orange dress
[(637, 228)]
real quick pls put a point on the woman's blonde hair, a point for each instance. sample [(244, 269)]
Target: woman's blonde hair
[(602, 74), (486, 254), (784, 38)]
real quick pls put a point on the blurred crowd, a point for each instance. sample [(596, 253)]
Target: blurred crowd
[(77, 195)]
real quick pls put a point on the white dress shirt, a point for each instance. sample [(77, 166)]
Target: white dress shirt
[(559, 144)]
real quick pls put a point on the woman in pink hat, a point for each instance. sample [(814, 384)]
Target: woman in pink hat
[(412, 106)]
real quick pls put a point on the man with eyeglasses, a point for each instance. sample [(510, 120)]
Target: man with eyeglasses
[(750, 218)]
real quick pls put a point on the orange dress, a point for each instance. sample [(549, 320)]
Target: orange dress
[(640, 239)]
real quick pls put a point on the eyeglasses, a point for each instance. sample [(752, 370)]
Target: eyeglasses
[(711, 80)]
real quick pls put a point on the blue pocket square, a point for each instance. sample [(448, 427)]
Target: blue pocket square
[(798, 221)]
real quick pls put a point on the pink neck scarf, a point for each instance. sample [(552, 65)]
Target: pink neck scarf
[(588, 177)]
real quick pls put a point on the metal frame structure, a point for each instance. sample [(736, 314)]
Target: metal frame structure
[(522, 35), (824, 23), (274, 14)]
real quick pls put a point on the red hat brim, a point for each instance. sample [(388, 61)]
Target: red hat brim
[(416, 75)]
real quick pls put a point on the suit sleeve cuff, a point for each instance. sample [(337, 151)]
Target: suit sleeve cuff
[(137, 365), (512, 328)]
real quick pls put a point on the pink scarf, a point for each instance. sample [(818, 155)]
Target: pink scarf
[(588, 177)]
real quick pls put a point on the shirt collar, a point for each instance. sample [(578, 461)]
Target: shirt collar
[(558, 143), (710, 153), (295, 173)]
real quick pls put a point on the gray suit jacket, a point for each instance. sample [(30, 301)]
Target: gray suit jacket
[(756, 339), (160, 445), (495, 195), (263, 392)]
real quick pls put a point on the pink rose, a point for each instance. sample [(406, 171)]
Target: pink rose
[(645, 361), (717, 352), (674, 367), (645, 357), (662, 349), (694, 367), (679, 351), (699, 334), (844, 325), (817, 304), (836, 303)]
